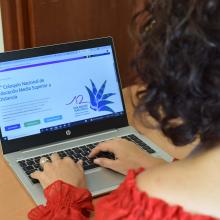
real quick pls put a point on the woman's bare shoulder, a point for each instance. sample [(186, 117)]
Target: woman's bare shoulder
[(158, 181), (183, 183)]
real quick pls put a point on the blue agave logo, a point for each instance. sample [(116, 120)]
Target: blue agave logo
[(99, 100)]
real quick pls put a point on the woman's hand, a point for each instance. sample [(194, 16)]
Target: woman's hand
[(61, 169), (128, 156)]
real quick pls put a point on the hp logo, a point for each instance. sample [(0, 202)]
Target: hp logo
[(68, 132)]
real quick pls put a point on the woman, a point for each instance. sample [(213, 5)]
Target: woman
[(179, 60)]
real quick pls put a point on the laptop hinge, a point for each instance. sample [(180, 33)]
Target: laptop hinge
[(70, 140)]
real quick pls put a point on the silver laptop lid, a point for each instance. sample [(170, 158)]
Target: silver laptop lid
[(58, 92)]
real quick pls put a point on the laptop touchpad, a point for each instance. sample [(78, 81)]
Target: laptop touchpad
[(103, 180)]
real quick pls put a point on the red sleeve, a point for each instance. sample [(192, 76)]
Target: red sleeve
[(127, 202), (64, 202)]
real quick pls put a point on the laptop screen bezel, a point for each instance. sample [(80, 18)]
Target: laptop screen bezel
[(14, 145)]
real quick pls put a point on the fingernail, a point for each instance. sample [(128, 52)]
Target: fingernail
[(96, 161)]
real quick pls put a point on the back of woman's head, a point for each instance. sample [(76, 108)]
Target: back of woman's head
[(179, 59)]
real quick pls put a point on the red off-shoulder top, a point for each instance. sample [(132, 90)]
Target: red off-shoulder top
[(66, 202)]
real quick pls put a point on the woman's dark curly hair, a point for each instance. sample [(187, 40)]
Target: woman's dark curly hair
[(178, 58)]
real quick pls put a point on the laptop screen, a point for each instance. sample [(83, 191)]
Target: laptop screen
[(47, 93)]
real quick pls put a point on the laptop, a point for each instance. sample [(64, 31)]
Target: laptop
[(64, 98)]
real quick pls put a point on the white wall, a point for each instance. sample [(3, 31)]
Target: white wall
[(1, 35)]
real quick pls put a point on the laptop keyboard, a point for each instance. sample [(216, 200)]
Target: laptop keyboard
[(78, 153)]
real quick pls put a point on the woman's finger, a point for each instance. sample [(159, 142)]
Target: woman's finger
[(55, 157), (105, 146), (80, 165), (36, 175)]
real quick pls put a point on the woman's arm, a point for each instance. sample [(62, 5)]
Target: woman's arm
[(64, 187), (64, 201), (128, 156)]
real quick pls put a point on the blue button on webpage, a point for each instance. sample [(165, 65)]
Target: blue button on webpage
[(12, 127), (54, 118)]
